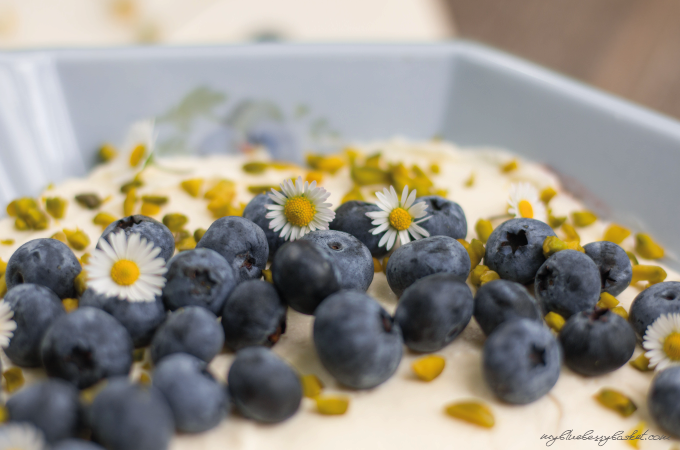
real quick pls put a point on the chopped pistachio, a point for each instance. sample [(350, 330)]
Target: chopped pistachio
[(36, 219), (181, 234), (476, 274), (60, 236), (85, 259), (20, 224), (224, 189), (262, 189), (441, 192), (138, 355), (583, 218), (192, 186), (125, 188), (647, 248), (352, 154), (77, 239), (607, 301), (311, 385), (616, 233), (12, 208), (570, 233), (330, 164), (364, 176), (476, 251), (556, 222), (314, 175), (4, 414), (150, 209), (7, 241), (14, 379), (175, 221), (373, 160), (633, 258), (470, 180), (509, 166), (70, 304), (88, 395), (554, 321), (575, 245), (552, 245), (473, 412), (221, 208), (641, 363), (547, 194), (616, 401), (434, 168), (620, 311), (103, 219), (145, 378), (384, 263), (488, 276), (353, 194), (644, 272), (21, 206), (376, 266), (255, 167), (56, 206), (3, 285), (159, 200), (483, 228), (636, 434), (80, 283), (129, 202), (186, 243), (267, 275), (3, 267), (137, 155), (89, 201), (198, 234), (332, 405), (429, 367), (107, 152), (147, 365)]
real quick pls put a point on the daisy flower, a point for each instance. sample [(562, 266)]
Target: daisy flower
[(299, 209), (7, 325), (127, 267), (662, 341), (24, 436), (525, 202), (397, 219)]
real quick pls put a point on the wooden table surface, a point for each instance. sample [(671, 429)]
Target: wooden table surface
[(628, 47)]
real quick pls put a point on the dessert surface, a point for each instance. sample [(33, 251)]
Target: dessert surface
[(404, 412)]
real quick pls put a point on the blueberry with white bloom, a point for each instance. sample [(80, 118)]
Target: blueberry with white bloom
[(652, 303), (398, 219), (616, 271), (299, 208), (351, 218), (664, 400), (446, 217), (256, 211), (499, 301)]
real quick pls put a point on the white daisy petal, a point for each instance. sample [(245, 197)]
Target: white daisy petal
[(392, 239), (404, 237), (388, 201)]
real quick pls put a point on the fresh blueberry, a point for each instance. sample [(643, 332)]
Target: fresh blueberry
[(515, 249), (150, 229), (304, 275), (140, 319), (47, 262), (446, 217), (198, 402), (262, 386), (498, 301), (521, 361), (241, 242), (53, 406), (256, 211), (351, 218), (127, 416), (193, 330), (568, 282), (254, 314), (596, 342), (353, 258), (357, 340), (650, 304), (664, 400), (200, 277), (433, 311), (86, 346), (616, 272), (418, 259), (35, 307), (76, 444)]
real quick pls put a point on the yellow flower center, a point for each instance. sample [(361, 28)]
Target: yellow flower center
[(299, 211), (400, 219), (671, 346), (124, 272), (525, 209)]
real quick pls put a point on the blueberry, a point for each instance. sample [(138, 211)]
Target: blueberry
[(193, 330), (35, 307), (499, 301), (256, 211), (150, 229), (357, 340), (76, 444), (304, 275), (664, 400), (596, 342), (521, 361), (254, 314), (515, 249), (650, 304), (446, 217), (568, 282), (242, 243), (47, 262), (127, 416), (262, 386), (418, 259), (86, 346), (616, 271), (140, 319), (198, 402), (200, 277), (433, 311), (53, 406), (353, 258), (351, 218)]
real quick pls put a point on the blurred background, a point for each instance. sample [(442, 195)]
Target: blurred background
[(627, 47)]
